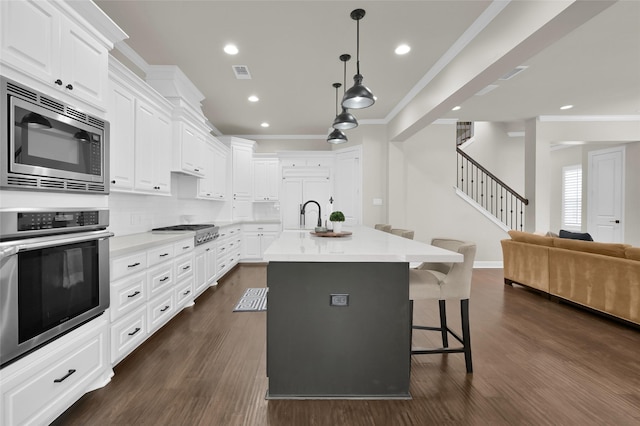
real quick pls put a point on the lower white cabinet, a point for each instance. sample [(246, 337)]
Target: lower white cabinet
[(127, 333), (229, 248), (42, 385), (204, 267), (257, 237), (152, 286)]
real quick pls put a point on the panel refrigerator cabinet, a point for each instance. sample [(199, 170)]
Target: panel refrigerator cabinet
[(297, 191)]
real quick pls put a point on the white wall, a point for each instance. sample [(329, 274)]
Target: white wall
[(422, 177), (135, 213)]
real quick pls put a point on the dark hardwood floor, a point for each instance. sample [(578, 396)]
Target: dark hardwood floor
[(536, 362)]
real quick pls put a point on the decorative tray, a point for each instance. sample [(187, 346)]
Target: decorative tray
[(331, 234)]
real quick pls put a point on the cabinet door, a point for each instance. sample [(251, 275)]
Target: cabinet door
[(206, 184), (84, 64), (200, 270), (211, 255), (145, 132), (190, 150), (259, 180), (162, 154), (122, 110), (290, 203), (242, 172), (220, 174), (251, 245), (272, 179), (30, 37)]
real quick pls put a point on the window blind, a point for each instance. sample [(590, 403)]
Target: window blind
[(572, 197)]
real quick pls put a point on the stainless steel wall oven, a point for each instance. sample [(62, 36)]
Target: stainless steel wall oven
[(48, 145), (54, 275)]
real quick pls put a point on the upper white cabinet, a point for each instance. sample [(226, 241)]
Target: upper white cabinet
[(189, 149), (242, 156), (266, 180), (46, 41), (122, 115), (141, 135), (220, 171)]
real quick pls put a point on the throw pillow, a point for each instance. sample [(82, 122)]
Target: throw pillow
[(575, 235)]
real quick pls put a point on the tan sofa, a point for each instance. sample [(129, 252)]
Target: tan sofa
[(601, 276)]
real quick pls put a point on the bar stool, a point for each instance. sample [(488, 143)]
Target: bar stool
[(446, 281), (404, 233), (383, 227)]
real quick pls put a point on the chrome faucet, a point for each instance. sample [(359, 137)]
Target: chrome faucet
[(302, 216)]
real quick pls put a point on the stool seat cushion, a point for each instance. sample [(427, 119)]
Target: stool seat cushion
[(425, 284)]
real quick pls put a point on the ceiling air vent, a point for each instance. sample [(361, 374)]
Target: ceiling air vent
[(513, 72), (241, 72)]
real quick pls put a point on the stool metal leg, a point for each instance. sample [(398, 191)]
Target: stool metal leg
[(443, 323), (466, 336)]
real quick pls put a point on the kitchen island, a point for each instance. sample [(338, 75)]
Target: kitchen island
[(339, 315)]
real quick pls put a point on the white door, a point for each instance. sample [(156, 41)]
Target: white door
[(347, 194), (605, 198)]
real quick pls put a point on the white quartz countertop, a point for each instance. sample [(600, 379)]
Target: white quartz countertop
[(145, 240), (364, 245)]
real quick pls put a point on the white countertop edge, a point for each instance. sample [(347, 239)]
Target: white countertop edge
[(126, 244)]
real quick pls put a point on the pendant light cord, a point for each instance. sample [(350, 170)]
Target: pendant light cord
[(358, 46)]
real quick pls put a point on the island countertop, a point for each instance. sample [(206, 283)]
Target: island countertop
[(363, 245)]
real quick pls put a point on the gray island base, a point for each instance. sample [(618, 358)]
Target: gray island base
[(338, 330)]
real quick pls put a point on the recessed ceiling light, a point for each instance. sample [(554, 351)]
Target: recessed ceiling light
[(231, 49), (566, 107), (253, 98), (402, 49), (456, 108), (265, 124)]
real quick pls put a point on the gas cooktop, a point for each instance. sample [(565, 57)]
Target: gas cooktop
[(204, 232)]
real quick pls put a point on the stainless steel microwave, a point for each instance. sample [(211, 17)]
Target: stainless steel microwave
[(47, 145)]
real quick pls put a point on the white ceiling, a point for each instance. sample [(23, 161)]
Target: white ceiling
[(292, 50)]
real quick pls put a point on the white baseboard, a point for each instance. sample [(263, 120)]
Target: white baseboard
[(488, 264)]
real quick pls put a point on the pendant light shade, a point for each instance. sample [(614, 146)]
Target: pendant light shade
[(358, 96), (345, 120), (337, 136)]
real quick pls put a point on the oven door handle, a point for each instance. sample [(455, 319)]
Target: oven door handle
[(55, 240)]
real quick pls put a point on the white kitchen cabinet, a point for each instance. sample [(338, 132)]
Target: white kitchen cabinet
[(121, 115), (39, 387), (266, 181), (204, 267), (152, 150), (42, 41), (297, 191), (229, 248), (206, 185), (148, 287), (256, 239), (220, 171), (242, 156), (188, 150)]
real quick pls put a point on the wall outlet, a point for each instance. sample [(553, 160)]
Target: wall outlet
[(377, 201), (339, 300)]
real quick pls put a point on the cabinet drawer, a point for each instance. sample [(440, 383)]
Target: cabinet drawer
[(184, 293), (160, 278), (62, 378), (160, 310), (256, 227), (128, 333), (127, 293), (122, 266), (160, 254), (184, 267), (183, 246)]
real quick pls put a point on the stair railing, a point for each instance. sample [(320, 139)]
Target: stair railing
[(490, 193)]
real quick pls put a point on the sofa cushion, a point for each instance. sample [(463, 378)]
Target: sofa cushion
[(607, 249), (575, 235), (632, 253), (527, 237)]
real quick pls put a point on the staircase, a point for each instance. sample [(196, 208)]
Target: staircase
[(488, 194)]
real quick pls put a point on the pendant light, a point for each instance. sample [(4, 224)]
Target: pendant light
[(345, 120), (358, 96), (337, 136)]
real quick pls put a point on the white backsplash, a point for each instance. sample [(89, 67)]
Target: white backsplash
[(135, 213), (266, 211)]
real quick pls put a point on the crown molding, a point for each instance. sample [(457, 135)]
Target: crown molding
[(583, 118)]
